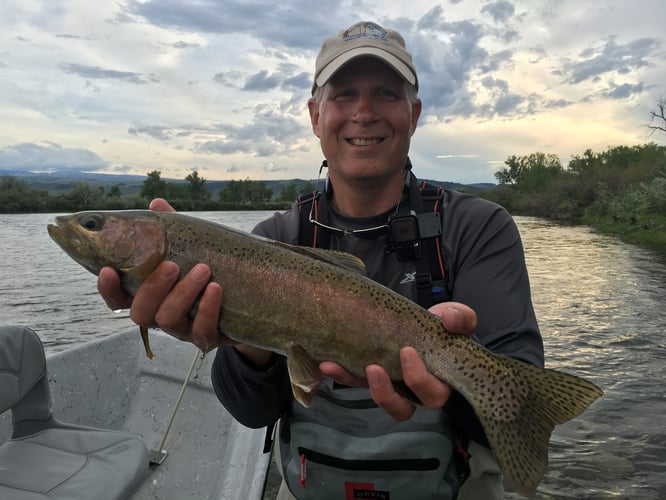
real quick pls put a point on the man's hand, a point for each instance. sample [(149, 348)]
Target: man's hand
[(432, 392), (164, 301)]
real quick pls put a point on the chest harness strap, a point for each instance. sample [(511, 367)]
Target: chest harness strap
[(421, 210)]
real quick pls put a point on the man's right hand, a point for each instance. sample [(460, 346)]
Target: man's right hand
[(164, 300)]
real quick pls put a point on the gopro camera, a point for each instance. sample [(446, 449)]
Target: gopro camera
[(404, 236), (406, 229)]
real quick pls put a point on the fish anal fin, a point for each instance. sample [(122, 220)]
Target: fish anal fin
[(304, 374)]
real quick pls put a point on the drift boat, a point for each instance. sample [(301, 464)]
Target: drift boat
[(164, 411)]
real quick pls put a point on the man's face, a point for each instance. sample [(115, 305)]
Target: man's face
[(365, 121)]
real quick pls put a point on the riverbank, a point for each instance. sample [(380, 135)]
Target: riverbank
[(646, 232)]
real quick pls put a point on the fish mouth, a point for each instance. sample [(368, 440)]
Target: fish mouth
[(60, 235), (66, 237), (61, 232)]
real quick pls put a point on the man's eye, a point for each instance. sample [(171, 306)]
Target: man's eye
[(387, 94), (344, 94)]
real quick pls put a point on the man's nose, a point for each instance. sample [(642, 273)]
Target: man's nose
[(365, 107)]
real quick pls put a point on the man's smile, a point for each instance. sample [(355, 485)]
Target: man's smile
[(359, 141)]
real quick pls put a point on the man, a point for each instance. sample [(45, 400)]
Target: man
[(360, 437)]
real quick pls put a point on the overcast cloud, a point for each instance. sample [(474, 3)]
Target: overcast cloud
[(222, 86)]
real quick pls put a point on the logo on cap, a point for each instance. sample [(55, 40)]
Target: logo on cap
[(368, 30)]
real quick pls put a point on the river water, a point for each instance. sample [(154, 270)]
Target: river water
[(600, 305)]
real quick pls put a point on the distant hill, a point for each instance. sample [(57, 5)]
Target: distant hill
[(60, 182)]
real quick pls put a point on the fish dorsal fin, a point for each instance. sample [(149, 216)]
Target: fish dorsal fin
[(304, 374), (341, 259)]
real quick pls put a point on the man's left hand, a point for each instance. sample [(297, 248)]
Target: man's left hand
[(432, 392)]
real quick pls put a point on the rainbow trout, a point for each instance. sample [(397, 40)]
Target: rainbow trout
[(272, 289)]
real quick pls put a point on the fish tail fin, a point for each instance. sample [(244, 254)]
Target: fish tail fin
[(519, 428)]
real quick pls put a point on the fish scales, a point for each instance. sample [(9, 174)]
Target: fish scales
[(335, 307), (314, 305)]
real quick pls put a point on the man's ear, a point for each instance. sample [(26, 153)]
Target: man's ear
[(416, 112), (313, 108)]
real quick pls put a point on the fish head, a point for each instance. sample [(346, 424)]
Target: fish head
[(131, 242)]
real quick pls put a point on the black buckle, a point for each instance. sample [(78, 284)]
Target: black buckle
[(423, 280)]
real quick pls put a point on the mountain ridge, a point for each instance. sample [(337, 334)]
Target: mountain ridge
[(58, 182)]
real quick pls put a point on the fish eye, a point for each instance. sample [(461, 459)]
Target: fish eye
[(92, 222)]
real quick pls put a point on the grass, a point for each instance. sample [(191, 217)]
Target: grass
[(646, 232)]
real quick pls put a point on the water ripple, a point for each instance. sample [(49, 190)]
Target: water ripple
[(600, 305)]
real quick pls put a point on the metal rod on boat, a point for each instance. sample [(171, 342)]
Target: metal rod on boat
[(157, 457)]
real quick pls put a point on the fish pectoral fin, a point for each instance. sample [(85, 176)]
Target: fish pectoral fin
[(142, 271), (304, 374), (146, 342)]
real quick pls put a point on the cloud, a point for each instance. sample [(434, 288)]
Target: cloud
[(158, 132), (67, 35), (296, 25), (268, 134), (556, 103), (183, 45), (287, 77), (623, 91), (451, 59), (228, 78), (234, 76), (272, 168), (451, 157), (95, 72), (446, 54), (262, 81), (610, 57), (501, 11), (48, 157)]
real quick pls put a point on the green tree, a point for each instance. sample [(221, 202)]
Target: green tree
[(16, 196), (175, 192), (582, 165), (289, 192), (512, 174), (245, 192), (154, 186), (530, 173), (197, 187), (114, 192), (82, 196)]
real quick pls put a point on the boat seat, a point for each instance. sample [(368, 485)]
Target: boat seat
[(49, 459)]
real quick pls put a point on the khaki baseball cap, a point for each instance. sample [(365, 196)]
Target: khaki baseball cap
[(364, 39)]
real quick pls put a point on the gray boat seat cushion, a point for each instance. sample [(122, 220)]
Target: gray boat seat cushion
[(47, 459)]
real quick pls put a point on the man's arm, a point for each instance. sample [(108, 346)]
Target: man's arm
[(255, 396)]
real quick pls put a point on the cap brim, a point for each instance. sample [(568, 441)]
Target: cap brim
[(336, 64)]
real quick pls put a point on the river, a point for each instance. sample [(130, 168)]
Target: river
[(600, 305)]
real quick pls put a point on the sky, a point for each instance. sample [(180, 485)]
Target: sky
[(221, 86)]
